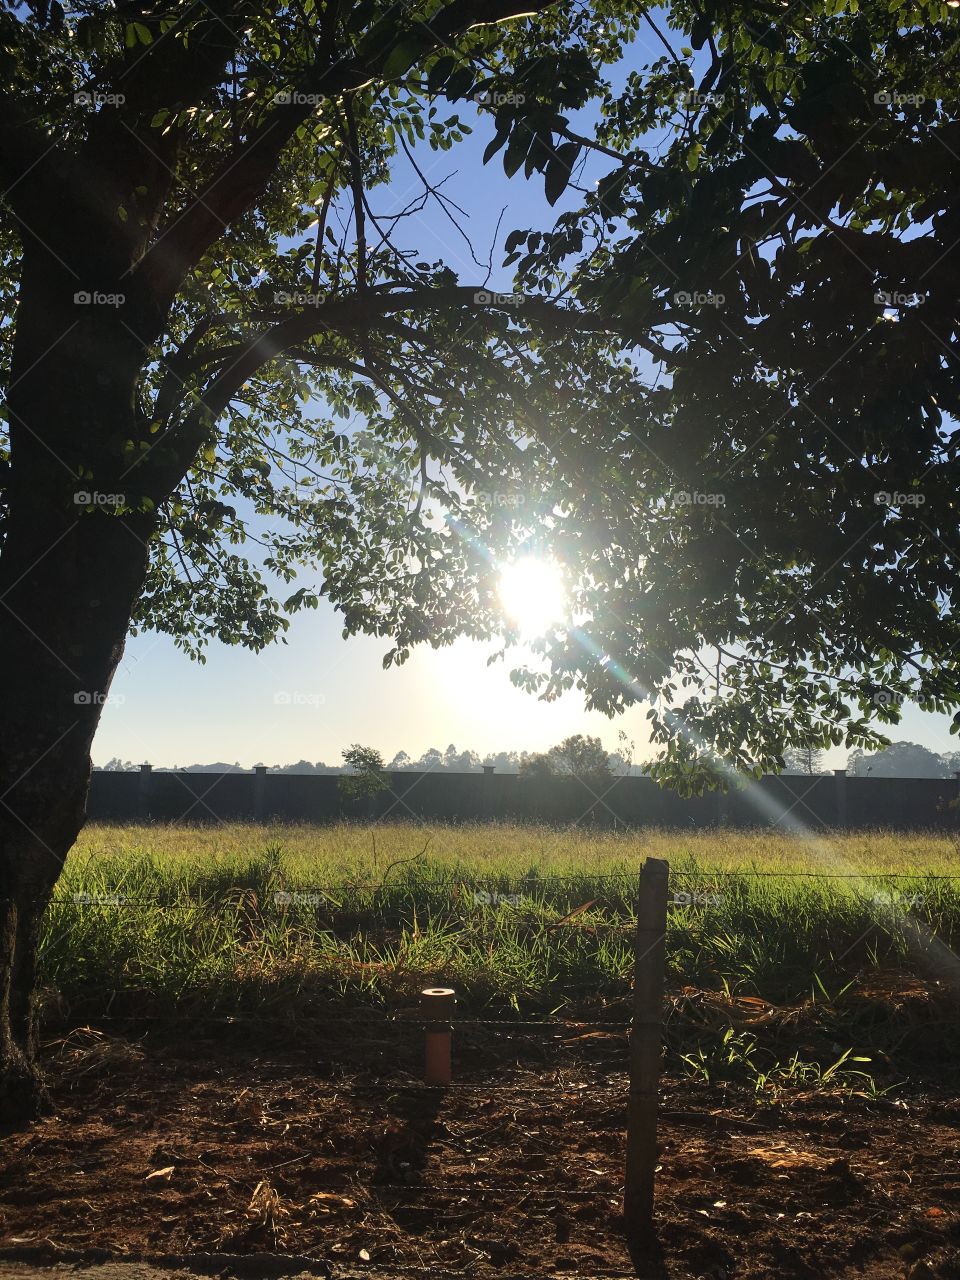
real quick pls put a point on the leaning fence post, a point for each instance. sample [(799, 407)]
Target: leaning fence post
[(645, 1045)]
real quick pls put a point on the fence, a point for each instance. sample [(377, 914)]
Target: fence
[(645, 1032), (639, 1100), (823, 801)]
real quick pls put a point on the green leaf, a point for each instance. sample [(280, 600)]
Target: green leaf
[(460, 84), (440, 73), (559, 171), (520, 142), (404, 54), (499, 138)]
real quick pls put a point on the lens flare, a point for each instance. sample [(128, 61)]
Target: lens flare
[(532, 595)]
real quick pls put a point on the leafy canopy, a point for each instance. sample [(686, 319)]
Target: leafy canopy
[(698, 393)]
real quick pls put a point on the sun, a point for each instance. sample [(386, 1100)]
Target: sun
[(532, 595)]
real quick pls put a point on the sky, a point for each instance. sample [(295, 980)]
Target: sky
[(313, 696), (167, 710)]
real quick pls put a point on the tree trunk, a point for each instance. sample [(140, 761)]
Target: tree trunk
[(69, 578), (61, 636), (22, 1093)]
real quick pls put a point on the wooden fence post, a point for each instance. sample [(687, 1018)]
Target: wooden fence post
[(646, 1036)]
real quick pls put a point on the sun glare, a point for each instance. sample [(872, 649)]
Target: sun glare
[(532, 595)]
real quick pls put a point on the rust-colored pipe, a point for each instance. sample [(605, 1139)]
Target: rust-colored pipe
[(438, 1004)]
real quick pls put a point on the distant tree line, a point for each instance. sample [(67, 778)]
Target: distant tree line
[(898, 760), (581, 754), (585, 756), (904, 760)]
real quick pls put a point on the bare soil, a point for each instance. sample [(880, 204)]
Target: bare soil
[(326, 1150)]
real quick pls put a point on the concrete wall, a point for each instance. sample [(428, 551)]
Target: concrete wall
[(832, 800)]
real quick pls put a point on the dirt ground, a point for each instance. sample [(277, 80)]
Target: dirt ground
[(327, 1151)]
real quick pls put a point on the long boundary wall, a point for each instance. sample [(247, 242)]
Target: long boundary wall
[(829, 800)]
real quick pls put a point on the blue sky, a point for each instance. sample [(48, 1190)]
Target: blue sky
[(313, 696)]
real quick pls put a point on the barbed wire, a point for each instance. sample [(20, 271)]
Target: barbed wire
[(494, 1091), (405, 1019), (118, 900), (470, 884), (465, 1189)]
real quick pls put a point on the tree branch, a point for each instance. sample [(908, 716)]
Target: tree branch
[(242, 178), (357, 314)]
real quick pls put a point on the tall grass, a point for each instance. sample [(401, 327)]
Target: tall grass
[(216, 919), (344, 851)]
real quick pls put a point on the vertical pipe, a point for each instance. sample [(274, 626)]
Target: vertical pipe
[(438, 1004), (645, 1046)]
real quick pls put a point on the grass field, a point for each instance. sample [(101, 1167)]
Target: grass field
[(348, 850), (514, 917), (234, 1008)]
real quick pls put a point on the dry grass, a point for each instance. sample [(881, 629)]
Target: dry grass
[(343, 851)]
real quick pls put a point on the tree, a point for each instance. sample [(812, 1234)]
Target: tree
[(579, 756), (742, 460), (504, 761), (583, 756), (808, 760), (781, 216), (455, 761), (537, 764), (365, 779), (205, 297), (899, 760)]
